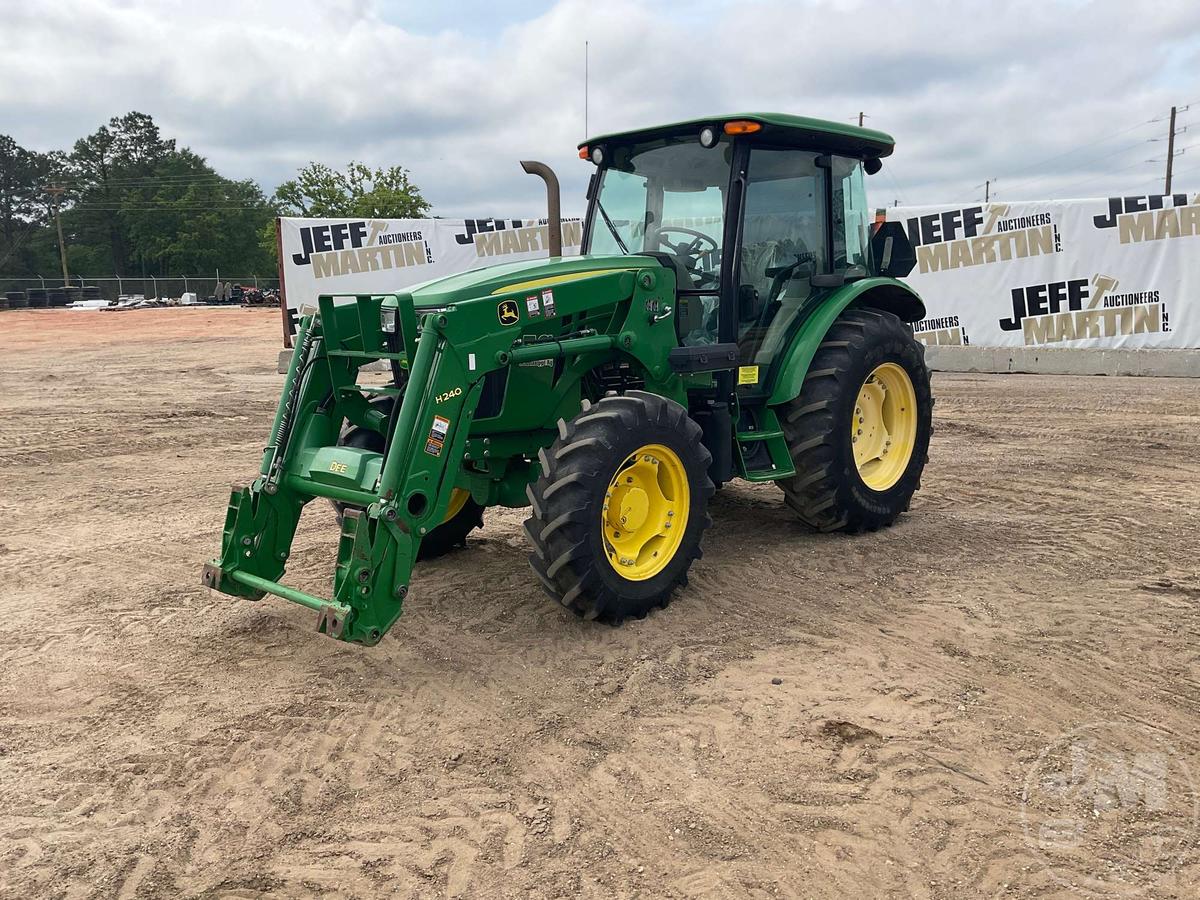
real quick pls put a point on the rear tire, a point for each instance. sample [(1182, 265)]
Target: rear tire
[(831, 491), (637, 459)]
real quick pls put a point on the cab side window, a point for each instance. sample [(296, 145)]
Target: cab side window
[(851, 217), (783, 246)]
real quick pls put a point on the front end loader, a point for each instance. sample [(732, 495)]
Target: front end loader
[(732, 315)]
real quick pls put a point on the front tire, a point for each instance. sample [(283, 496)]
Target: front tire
[(620, 508), (859, 431)]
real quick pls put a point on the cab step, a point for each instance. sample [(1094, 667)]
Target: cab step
[(776, 462)]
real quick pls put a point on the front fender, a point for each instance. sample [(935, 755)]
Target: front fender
[(887, 294)]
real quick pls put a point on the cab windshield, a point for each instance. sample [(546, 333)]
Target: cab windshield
[(666, 196)]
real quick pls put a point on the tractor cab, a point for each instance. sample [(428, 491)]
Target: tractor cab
[(757, 215)]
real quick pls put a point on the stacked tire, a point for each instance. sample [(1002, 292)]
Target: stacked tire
[(37, 296), (56, 297), (73, 294), (16, 300)]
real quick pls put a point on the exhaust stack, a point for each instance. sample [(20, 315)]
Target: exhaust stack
[(554, 214)]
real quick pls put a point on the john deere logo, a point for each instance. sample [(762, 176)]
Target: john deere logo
[(509, 312)]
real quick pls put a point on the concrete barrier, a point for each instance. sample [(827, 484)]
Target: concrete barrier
[(1054, 361)]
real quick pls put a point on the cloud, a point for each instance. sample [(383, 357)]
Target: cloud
[(971, 91)]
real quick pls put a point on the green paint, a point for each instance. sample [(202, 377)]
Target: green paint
[(792, 130), (884, 293)]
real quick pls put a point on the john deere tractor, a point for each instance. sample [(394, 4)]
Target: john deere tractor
[(733, 314)]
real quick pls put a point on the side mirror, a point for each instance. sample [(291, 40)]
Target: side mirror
[(873, 165), (892, 254)]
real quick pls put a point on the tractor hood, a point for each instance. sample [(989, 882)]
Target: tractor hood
[(526, 275)]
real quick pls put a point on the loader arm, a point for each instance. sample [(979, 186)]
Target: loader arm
[(406, 492)]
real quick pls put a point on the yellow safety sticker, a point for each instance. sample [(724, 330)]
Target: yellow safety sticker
[(747, 374)]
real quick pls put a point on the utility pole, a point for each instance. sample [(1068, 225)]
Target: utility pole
[(987, 190), (1170, 150), (861, 116), (56, 191)]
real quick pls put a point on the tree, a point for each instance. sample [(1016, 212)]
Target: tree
[(187, 218), (22, 201), (361, 192), (103, 168)]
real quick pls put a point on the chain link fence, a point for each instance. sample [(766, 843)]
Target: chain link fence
[(114, 287)]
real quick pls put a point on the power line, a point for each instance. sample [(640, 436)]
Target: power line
[(1140, 162), (1188, 169), (895, 184), (1084, 147), (1125, 149), (147, 179), (19, 240), (1091, 160)]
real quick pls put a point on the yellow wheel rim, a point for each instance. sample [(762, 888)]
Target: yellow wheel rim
[(884, 429), (645, 512), (458, 499)]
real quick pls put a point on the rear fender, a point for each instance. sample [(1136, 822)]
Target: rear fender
[(886, 294)]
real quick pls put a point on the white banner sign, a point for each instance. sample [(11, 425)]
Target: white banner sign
[(362, 256), (1116, 272)]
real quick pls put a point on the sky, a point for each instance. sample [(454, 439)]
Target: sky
[(1044, 99)]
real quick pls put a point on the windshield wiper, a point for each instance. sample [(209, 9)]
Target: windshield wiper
[(611, 227)]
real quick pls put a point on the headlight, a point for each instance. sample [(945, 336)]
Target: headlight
[(598, 155), (388, 319), (708, 137)]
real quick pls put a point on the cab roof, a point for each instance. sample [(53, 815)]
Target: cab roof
[(777, 128)]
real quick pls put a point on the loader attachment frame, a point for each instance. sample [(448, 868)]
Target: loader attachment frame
[(404, 493)]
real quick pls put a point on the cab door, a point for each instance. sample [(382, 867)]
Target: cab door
[(784, 245)]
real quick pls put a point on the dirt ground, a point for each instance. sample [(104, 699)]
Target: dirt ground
[(1039, 604)]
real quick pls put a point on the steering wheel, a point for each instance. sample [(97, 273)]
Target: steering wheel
[(689, 252)]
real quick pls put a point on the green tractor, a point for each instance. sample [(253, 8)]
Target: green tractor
[(733, 314)]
